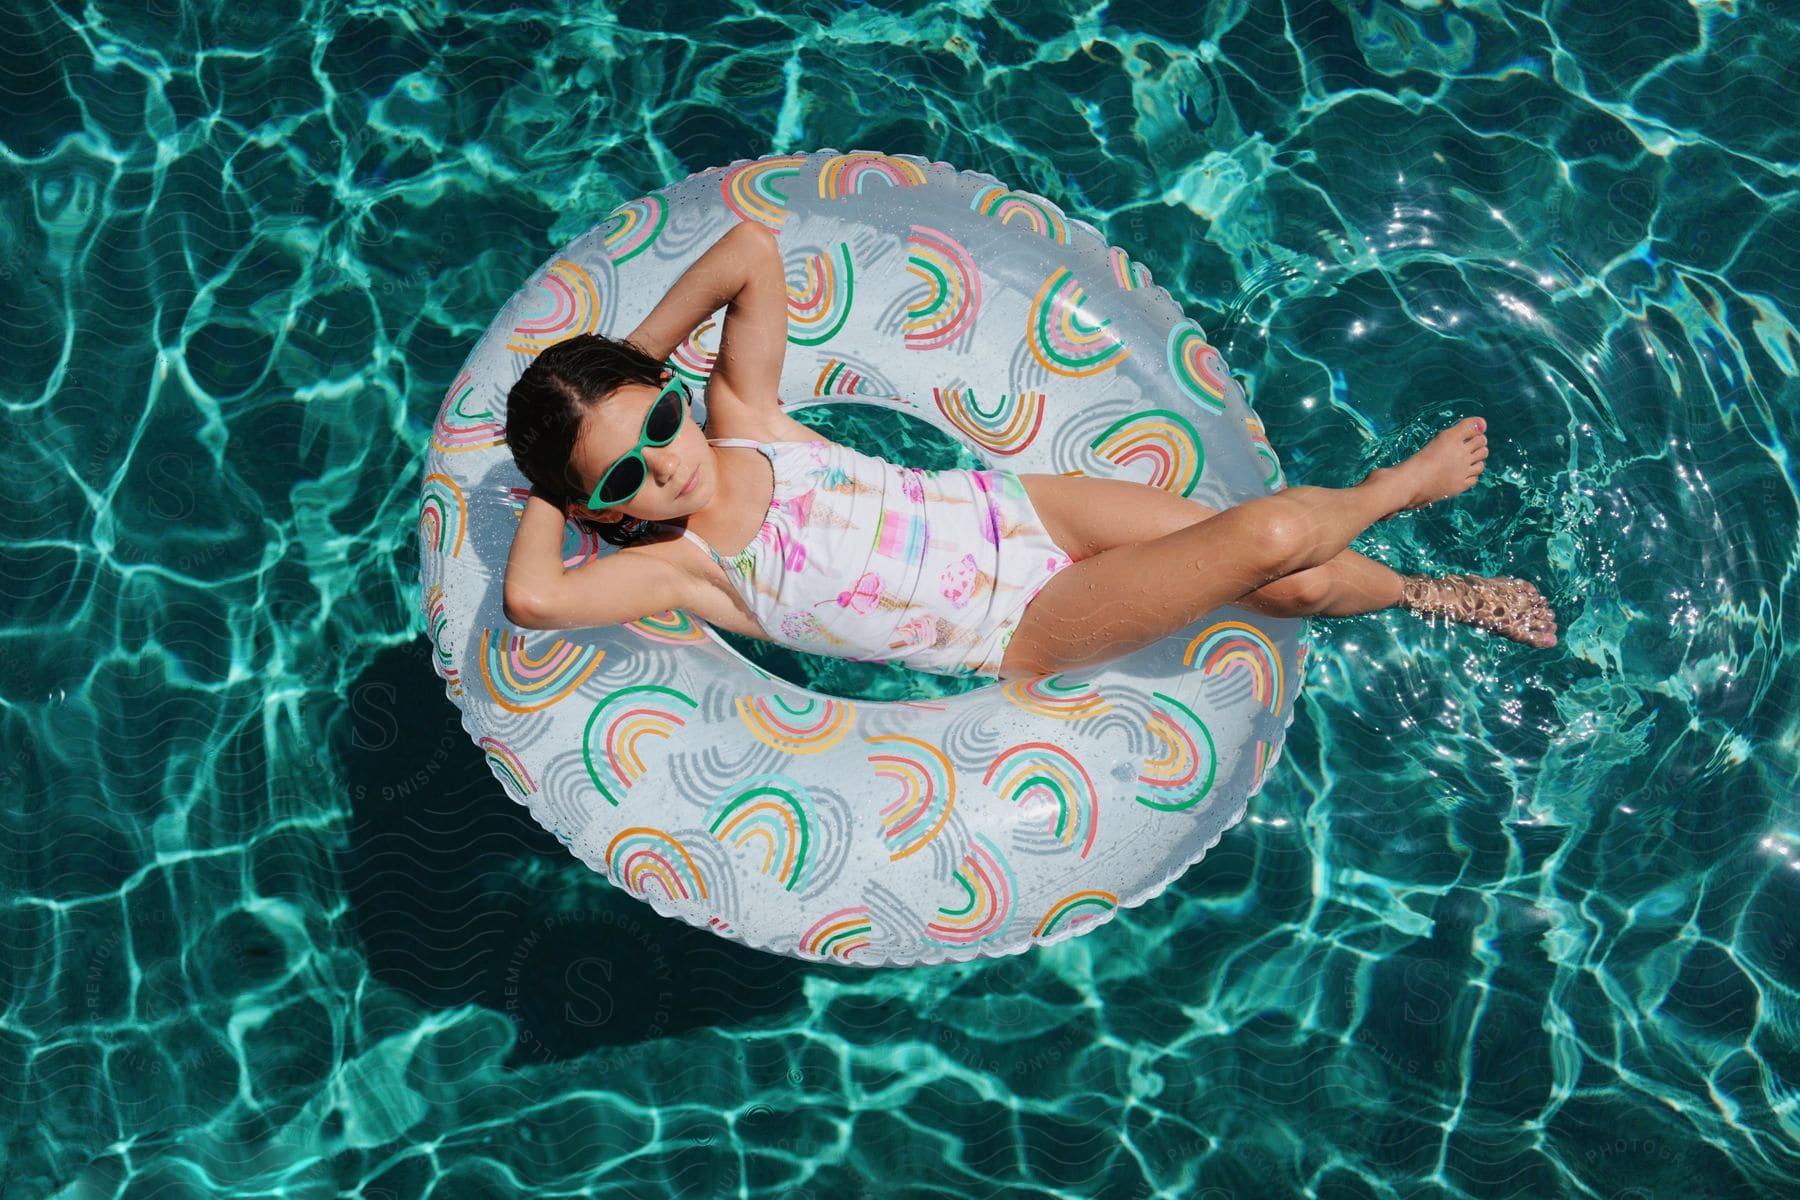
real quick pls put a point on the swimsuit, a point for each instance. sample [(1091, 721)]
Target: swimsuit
[(859, 558)]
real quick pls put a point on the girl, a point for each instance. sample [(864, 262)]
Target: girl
[(835, 552)]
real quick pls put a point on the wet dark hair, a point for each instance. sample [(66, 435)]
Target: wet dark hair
[(544, 411)]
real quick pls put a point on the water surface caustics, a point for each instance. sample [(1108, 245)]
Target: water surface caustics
[(1505, 922)]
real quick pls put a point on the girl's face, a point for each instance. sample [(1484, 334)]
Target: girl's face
[(608, 433)]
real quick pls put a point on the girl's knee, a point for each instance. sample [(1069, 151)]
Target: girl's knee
[(1281, 539), (1298, 595)]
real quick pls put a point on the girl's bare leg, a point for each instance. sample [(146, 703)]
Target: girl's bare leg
[(1351, 584), (1125, 598), (1089, 516), (1347, 586), (1134, 594)]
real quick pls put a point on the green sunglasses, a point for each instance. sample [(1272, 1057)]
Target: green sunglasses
[(626, 477)]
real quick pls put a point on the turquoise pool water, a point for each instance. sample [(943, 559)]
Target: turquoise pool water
[(1503, 923)]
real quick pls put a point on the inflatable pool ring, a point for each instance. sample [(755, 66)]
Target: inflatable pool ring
[(887, 833)]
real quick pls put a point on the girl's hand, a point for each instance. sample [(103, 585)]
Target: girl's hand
[(573, 509), (567, 510), (582, 512)]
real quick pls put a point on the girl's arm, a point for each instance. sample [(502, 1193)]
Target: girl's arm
[(535, 562), (619, 587), (717, 278)]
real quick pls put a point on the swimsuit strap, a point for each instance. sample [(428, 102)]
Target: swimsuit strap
[(701, 542), (768, 448)]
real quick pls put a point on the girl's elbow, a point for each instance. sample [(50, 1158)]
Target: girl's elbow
[(756, 230), (519, 610)]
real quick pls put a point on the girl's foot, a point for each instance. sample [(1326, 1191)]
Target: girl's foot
[(1448, 465), (1510, 607)]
